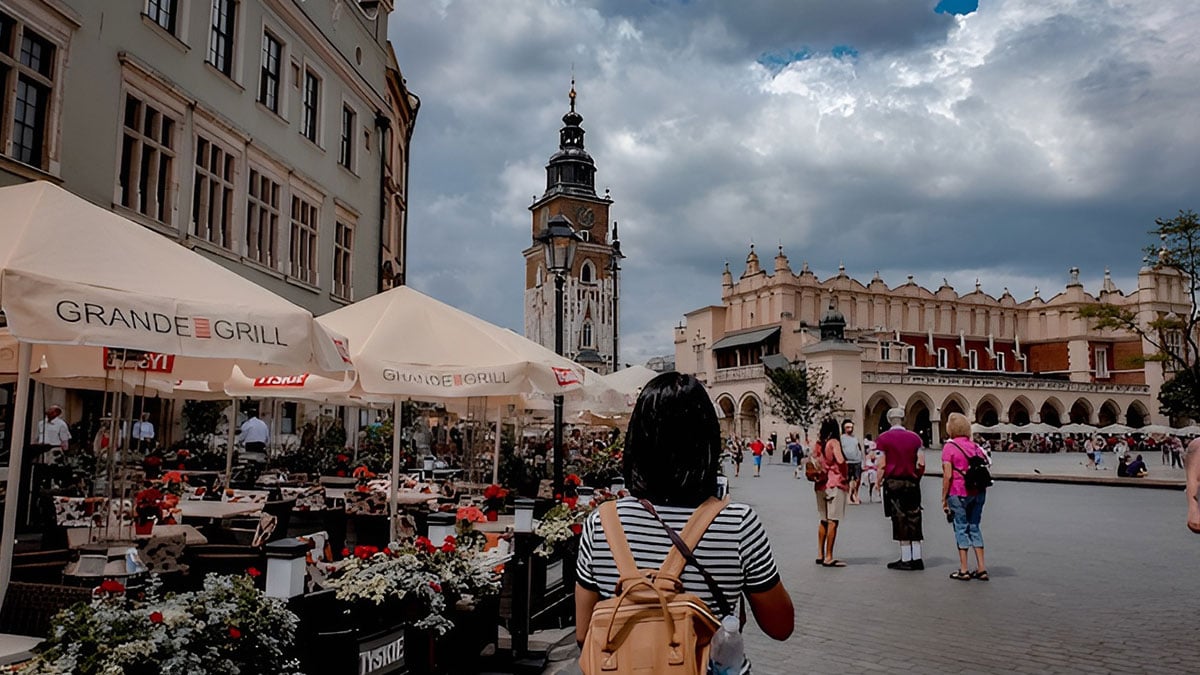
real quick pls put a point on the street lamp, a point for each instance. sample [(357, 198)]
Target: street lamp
[(614, 268), (560, 241)]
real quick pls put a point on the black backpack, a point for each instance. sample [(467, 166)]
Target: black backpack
[(977, 477)]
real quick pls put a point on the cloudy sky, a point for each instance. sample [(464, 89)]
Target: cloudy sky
[(1006, 141)]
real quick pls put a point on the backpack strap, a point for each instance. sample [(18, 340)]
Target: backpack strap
[(681, 551), (617, 543), (701, 518), (964, 454)]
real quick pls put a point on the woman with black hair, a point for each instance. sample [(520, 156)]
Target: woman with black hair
[(672, 457), (830, 491)]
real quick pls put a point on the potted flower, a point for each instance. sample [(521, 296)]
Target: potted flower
[(147, 508), (493, 498), (229, 626), (362, 475)]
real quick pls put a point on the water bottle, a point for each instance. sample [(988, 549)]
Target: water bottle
[(728, 651)]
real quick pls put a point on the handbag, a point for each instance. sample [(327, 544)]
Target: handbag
[(814, 466)]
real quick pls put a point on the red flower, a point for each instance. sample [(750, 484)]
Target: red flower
[(577, 528), (111, 586), (153, 461), (494, 491), (341, 473), (345, 552), (234, 633), (423, 544), (571, 502), (363, 472), (183, 454), (364, 552), (253, 572), (181, 466), (437, 588), (572, 479), (343, 459), (156, 617), (448, 546)]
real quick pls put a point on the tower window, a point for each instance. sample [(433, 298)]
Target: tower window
[(586, 335), (586, 275)]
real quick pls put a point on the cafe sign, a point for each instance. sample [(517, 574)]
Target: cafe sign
[(382, 655)]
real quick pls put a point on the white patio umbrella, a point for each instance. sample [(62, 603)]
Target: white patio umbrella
[(1190, 430), (73, 273), (1077, 428), (1115, 429), (407, 345), (1155, 429)]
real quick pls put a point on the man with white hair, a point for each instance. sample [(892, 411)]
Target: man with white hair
[(53, 433), (901, 465)]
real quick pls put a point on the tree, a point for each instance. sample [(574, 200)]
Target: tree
[(801, 396), (1173, 337)]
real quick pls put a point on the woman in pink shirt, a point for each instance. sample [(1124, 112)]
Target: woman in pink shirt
[(830, 492), (965, 507)]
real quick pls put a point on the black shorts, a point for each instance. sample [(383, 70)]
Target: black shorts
[(854, 471)]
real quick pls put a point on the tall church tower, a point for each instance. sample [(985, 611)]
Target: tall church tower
[(590, 294)]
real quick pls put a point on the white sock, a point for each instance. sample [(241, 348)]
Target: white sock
[(905, 551), (916, 550)]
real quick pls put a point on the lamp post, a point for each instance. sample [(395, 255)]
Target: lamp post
[(560, 241), (614, 268)]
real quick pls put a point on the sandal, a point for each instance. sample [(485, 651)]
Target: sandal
[(981, 575), (962, 575), (834, 563), (820, 561)]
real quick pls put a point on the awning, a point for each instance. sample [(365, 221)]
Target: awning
[(749, 338), (776, 362)]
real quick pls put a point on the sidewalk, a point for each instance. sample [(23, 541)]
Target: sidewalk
[(1071, 468)]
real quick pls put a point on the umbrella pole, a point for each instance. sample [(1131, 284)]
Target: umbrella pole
[(496, 449), (357, 422), (397, 425), (16, 452), (229, 441)]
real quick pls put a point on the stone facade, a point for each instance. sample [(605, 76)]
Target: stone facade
[(932, 352), (590, 293), (271, 136)]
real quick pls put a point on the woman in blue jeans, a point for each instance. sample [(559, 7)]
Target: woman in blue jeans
[(964, 507)]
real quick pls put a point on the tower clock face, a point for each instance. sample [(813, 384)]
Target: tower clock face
[(585, 217)]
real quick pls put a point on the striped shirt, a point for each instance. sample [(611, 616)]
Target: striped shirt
[(734, 549)]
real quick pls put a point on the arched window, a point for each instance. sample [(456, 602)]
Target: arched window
[(586, 337), (586, 274)]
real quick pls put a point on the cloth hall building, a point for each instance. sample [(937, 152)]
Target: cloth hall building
[(933, 352)]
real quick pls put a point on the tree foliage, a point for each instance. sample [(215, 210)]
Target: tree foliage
[(1178, 249), (801, 396)]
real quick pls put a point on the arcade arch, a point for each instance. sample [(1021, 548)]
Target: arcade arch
[(1081, 412), (1136, 415), (1052, 412), (875, 413), (728, 412), (1020, 411), (987, 411), (918, 416), (954, 403), (749, 418), (1109, 413)]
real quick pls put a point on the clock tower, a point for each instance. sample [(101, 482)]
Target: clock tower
[(590, 325)]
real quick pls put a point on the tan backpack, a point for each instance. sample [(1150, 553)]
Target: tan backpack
[(652, 625)]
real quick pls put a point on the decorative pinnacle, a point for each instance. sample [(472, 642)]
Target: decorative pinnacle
[(572, 94)]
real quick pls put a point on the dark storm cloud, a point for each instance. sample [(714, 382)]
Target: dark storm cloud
[(1008, 144)]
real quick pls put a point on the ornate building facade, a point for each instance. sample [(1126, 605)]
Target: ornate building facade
[(933, 352), (590, 310)]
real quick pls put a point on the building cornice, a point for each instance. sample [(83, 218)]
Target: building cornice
[(297, 20)]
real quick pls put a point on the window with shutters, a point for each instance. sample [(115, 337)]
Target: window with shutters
[(302, 240), (212, 193), (145, 179), (262, 219), (343, 260)]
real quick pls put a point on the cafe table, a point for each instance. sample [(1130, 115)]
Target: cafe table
[(205, 510), (78, 537)]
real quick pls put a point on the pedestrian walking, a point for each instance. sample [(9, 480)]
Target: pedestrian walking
[(901, 465), (963, 504), (1176, 453), (797, 452), (854, 459), (739, 455), (756, 448), (671, 463), (870, 474), (1191, 461), (830, 491)]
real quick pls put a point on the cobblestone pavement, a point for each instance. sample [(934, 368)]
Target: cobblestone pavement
[(1084, 579), (1074, 464)]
